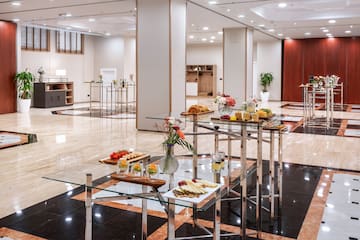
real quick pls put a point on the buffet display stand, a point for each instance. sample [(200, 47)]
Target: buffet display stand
[(243, 131), (112, 98), (310, 94)]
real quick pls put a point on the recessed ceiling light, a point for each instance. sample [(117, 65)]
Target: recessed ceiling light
[(16, 3), (92, 19), (220, 33), (252, 21), (347, 31), (329, 34), (307, 33), (271, 30), (89, 31), (68, 28), (325, 30), (241, 16), (191, 36), (261, 25), (212, 37), (228, 10), (332, 21), (288, 38), (282, 5), (193, 25), (351, 26), (294, 23), (212, 2), (204, 39), (322, 28), (68, 15), (211, 41), (16, 20), (107, 34), (205, 28), (280, 34)]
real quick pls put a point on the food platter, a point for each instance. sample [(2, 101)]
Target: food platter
[(200, 113), (201, 192), (140, 156)]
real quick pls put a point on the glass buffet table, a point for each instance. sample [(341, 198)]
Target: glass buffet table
[(244, 132), (155, 193)]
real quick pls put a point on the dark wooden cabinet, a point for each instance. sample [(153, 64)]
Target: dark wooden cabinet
[(47, 95)]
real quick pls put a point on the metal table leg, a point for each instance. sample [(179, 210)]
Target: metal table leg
[(195, 146), (144, 215), (259, 174), (272, 175), (171, 212), (280, 171), (88, 207), (243, 182), (217, 213)]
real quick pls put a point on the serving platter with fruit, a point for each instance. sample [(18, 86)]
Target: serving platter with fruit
[(130, 157), (195, 190)]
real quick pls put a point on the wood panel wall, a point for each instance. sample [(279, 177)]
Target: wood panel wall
[(325, 56), (7, 67)]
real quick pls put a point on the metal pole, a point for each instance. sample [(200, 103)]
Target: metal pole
[(243, 181), (272, 175), (171, 212), (195, 146), (259, 174), (88, 207), (144, 215), (229, 163), (217, 213), (280, 173)]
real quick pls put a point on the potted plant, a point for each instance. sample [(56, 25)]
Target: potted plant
[(265, 81), (24, 81)]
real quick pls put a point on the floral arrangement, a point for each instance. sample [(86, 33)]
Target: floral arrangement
[(225, 100), (174, 134), (319, 81)]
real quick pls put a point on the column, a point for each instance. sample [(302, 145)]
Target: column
[(238, 63), (161, 40)]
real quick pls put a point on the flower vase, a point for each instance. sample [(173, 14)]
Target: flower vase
[(224, 110), (168, 163)]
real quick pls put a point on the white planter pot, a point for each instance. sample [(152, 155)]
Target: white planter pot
[(24, 105), (264, 96)]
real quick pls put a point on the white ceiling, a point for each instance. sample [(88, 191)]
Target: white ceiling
[(118, 17)]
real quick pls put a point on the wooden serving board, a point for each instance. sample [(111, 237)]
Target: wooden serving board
[(200, 113), (115, 161), (225, 120), (152, 182)]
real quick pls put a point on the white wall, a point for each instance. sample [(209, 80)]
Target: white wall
[(130, 58), (269, 60), (109, 53), (207, 54), (79, 67)]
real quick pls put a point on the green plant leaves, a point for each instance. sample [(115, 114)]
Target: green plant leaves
[(24, 81)]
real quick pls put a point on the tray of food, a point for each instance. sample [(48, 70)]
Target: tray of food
[(142, 180), (197, 109), (194, 191), (124, 154)]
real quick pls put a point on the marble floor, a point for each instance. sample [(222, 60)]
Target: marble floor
[(68, 142)]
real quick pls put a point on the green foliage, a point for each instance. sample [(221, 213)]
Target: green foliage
[(265, 80), (24, 81)]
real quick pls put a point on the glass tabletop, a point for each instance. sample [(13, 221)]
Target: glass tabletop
[(274, 123), (123, 192)]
